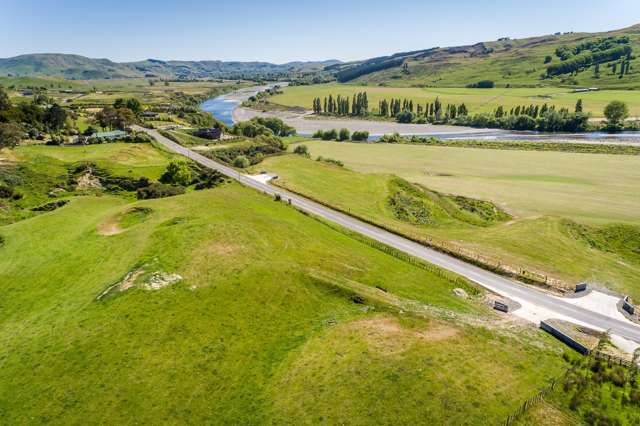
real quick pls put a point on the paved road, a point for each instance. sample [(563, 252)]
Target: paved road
[(496, 283)]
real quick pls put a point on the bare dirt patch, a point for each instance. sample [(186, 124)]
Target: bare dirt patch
[(88, 181), (386, 335), (136, 278), (110, 227), (159, 280)]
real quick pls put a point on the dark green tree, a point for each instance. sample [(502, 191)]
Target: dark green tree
[(10, 135)]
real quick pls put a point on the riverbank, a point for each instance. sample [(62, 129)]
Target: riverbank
[(228, 109)]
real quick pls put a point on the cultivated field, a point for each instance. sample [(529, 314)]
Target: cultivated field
[(477, 100), (262, 328)]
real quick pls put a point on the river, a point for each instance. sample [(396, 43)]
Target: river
[(223, 107)]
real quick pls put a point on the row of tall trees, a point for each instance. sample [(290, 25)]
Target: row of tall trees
[(359, 105), (340, 105)]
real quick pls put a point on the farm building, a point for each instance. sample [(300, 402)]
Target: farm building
[(209, 133)]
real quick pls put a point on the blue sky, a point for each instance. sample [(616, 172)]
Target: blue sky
[(280, 30)]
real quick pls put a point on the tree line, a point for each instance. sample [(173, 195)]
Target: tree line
[(591, 53), (401, 109), (341, 105), (18, 121)]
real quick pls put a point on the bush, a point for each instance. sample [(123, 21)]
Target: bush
[(301, 150), (405, 117), (251, 129), (318, 134), (482, 84), (330, 161), (330, 135), (6, 191), (208, 179), (277, 126), (158, 190), (177, 173), (241, 162), (394, 138), (344, 135), (360, 136)]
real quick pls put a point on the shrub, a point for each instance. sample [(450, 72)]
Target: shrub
[(277, 126), (330, 161), (208, 179), (405, 117), (6, 191), (241, 162), (251, 129), (344, 135), (301, 150), (360, 136), (158, 190), (482, 84), (330, 135), (318, 134), (177, 173), (394, 138)]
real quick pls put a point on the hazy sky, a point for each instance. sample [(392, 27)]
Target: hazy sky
[(281, 30)]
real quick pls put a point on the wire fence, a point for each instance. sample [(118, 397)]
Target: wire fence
[(535, 399)]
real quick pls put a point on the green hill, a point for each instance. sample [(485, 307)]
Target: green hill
[(80, 67), (571, 57), (222, 306)]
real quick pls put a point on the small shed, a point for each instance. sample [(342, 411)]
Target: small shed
[(209, 133)]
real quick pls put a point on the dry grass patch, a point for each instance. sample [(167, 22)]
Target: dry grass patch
[(387, 336)]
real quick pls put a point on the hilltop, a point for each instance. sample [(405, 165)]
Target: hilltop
[(508, 62), (81, 67)]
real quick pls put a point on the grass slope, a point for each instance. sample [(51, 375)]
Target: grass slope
[(36, 172), (234, 340), (537, 239), (511, 62)]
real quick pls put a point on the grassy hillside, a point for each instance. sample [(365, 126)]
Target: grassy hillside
[(506, 62), (40, 174), (80, 67), (224, 306), (539, 190)]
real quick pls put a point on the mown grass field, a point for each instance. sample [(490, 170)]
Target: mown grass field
[(118, 158), (538, 196), (250, 334), (596, 188), (477, 100)]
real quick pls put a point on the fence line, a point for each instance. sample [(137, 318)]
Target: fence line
[(531, 401), (615, 360), (451, 249)]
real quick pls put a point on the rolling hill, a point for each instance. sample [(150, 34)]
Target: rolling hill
[(557, 59), (81, 67)]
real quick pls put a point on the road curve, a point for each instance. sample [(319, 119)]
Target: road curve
[(489, 280)]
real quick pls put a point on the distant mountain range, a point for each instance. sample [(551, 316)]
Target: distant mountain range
[(81, 67), (605, 60)]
